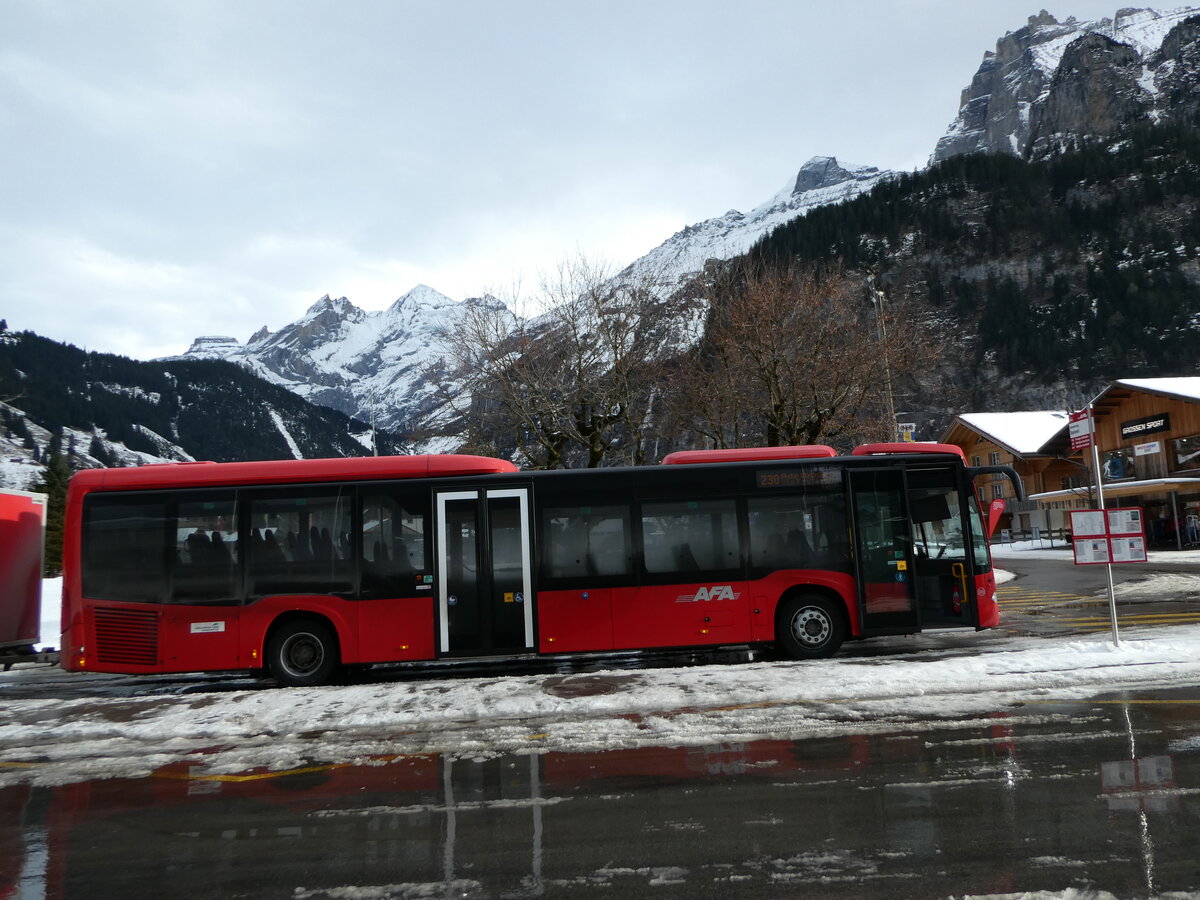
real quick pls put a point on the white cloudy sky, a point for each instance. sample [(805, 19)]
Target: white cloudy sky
[(172, 169)]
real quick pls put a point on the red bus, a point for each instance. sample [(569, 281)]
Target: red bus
[(296, 568)]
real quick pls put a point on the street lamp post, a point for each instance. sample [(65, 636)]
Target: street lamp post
[(878, 299)]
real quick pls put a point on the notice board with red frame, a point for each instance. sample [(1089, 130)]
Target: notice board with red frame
[(1102, 536)]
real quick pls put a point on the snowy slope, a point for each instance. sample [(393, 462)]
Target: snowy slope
[(820, 182), (21, 456)]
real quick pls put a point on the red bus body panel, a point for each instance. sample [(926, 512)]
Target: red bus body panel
[(575, 620), (395, 630), (908, 447), (285, 471), (985, 597), (744, 454), (22, 523), (220, 638), (680, 615)]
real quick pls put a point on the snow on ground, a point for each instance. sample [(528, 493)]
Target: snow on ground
[(57, 735)]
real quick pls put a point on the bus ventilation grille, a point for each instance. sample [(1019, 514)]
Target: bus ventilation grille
[(127, 637)]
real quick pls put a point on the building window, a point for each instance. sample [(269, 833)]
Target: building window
[(976, 461), (994, 458), (998, 491), (1185, 452), (1119, 465)]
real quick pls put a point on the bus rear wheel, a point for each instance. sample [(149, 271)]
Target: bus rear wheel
[(809, 627), (302, 653)]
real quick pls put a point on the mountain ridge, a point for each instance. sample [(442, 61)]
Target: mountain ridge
[(385, 365), (1037, 93)]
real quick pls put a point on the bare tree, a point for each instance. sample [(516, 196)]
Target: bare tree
[(798, 357), (573, 381)]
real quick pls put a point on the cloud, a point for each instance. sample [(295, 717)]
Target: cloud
[(214, 166)]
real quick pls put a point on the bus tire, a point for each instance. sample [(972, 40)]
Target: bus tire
[(809, 627), (302, 653)]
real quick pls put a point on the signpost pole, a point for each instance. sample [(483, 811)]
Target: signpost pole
[(1112, 591)]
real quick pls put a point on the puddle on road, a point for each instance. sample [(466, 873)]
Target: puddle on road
[(569, 687), (1006, 806)]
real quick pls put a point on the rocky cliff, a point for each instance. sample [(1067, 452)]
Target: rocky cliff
[(1055, 85)]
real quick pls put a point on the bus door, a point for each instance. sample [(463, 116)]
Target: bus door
[(882, 551), (942, 558), (483, 571)]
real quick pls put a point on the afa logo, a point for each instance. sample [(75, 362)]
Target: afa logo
[(704, 594)]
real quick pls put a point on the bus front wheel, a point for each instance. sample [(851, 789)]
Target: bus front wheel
[(809, 627), (302, 653)]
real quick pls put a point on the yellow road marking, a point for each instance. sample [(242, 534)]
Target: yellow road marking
[(1148, 617), (258, 776), (1023, 592)]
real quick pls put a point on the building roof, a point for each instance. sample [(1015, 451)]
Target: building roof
[(1187, 388), (1022, 433), (1121, 489)]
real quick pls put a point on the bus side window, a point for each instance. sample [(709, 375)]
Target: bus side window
[(798, 532), (395, 543), (207, 551), (308, 558), (690, 536), (586, 542), (125, 549)]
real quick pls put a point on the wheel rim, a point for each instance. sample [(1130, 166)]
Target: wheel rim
[(302, 655), (812, 626)]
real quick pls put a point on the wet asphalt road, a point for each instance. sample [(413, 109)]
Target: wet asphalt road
[(1057, 597), (1101, 794)]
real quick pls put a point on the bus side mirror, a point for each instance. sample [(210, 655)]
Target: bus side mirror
[(995, 511)]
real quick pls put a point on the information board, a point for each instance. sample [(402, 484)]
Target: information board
[(1128, 549), (1089, 551), (1125, 521), (1108, 535)]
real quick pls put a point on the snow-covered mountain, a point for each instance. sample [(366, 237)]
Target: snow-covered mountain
[(385, 364), (820, 181), (365, 364), (1051, 84)]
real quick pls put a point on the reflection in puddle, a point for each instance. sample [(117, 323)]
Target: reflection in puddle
[(1001, 808)]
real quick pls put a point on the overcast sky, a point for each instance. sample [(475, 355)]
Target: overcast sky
[(173, 169)]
